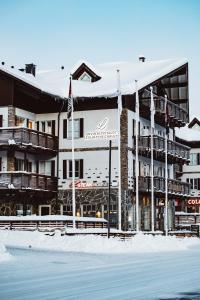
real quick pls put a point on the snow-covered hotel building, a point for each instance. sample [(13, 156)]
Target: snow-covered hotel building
[(35, 139)]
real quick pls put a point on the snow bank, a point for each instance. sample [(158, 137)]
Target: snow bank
[(96, 244), (4, 255)]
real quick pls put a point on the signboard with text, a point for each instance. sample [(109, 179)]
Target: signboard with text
[(101, 132)]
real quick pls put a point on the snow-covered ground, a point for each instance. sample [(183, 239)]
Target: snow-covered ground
[(92, 267)]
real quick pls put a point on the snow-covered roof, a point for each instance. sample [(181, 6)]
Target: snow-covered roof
[(56, 82), (188, 134)]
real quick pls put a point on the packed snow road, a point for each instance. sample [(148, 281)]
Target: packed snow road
[(34, 275)]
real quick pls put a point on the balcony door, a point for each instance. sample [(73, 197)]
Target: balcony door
[(44, 210)]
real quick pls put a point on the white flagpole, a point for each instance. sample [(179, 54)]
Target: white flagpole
[(152, 174), (136, 157), (73, 164), (119, 110), (166, 175)]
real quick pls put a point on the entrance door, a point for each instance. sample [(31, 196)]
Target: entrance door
[(44, 210)]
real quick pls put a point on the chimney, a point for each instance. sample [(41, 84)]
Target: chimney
[(142, 58), (30, 69)]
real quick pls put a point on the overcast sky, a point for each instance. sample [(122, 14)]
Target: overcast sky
[(52, 33)]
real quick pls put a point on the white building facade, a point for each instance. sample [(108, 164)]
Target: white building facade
[(40, 109)]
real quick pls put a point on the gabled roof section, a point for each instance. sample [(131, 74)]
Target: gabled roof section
[(84, 67), (194, 122)]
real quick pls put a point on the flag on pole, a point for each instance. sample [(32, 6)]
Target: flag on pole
[(166, 116), (70, 99), (152, 108)]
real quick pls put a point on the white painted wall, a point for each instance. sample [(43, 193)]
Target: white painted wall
[(4, 113), (95, 166), (25, 114), (91, 120)]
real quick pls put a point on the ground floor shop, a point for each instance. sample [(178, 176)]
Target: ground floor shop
[(93, 203)]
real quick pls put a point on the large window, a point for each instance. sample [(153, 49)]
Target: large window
[(78, 128), (47, 168), (194, 183), (194, 159)]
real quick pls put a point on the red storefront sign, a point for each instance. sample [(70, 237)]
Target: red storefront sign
[(193, 201)]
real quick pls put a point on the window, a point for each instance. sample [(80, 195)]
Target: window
[(85, 77), (67, 168), (78, 168), (194, 183), (78, 128), (50, 127), (29, 124), (19, 121), (19, 165), (194, 159), (1, 120), (43, 126), (19, 209), (46, 168)]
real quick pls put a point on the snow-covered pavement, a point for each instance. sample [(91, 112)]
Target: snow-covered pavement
[(136, 275)]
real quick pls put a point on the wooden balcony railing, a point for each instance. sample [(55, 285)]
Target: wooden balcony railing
[(174, 186), (28, 137), (27, 181), (175, 150), (176, 113)]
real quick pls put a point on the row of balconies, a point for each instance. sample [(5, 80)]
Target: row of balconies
[(175, 187), (25, 138), (27, 181), (177, 116), (176, 152), (31, 181)]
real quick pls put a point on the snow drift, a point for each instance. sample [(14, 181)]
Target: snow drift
[(4, 255), (96, 244)]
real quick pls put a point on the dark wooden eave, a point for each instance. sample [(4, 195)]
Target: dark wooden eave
[(194, 122), (191, 144)]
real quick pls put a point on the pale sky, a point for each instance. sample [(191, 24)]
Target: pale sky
[(51, 33)]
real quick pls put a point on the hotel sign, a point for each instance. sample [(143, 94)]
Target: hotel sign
[(101, 132), (193, 201), (84, 185)]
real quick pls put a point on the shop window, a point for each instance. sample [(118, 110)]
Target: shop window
[(19, 209)]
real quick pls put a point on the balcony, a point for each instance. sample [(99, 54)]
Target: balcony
[(27, 139), (178, 116), (175, 187), (176, 152), (27, 181)]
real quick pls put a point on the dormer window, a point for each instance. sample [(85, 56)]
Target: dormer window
[(85, 77)]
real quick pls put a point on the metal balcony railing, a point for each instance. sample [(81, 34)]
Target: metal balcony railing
[(28, 137), (174, 149), (27, 181), (174, 186), (175, 111)]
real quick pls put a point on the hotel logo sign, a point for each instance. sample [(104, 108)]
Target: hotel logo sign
[(101, 132)]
